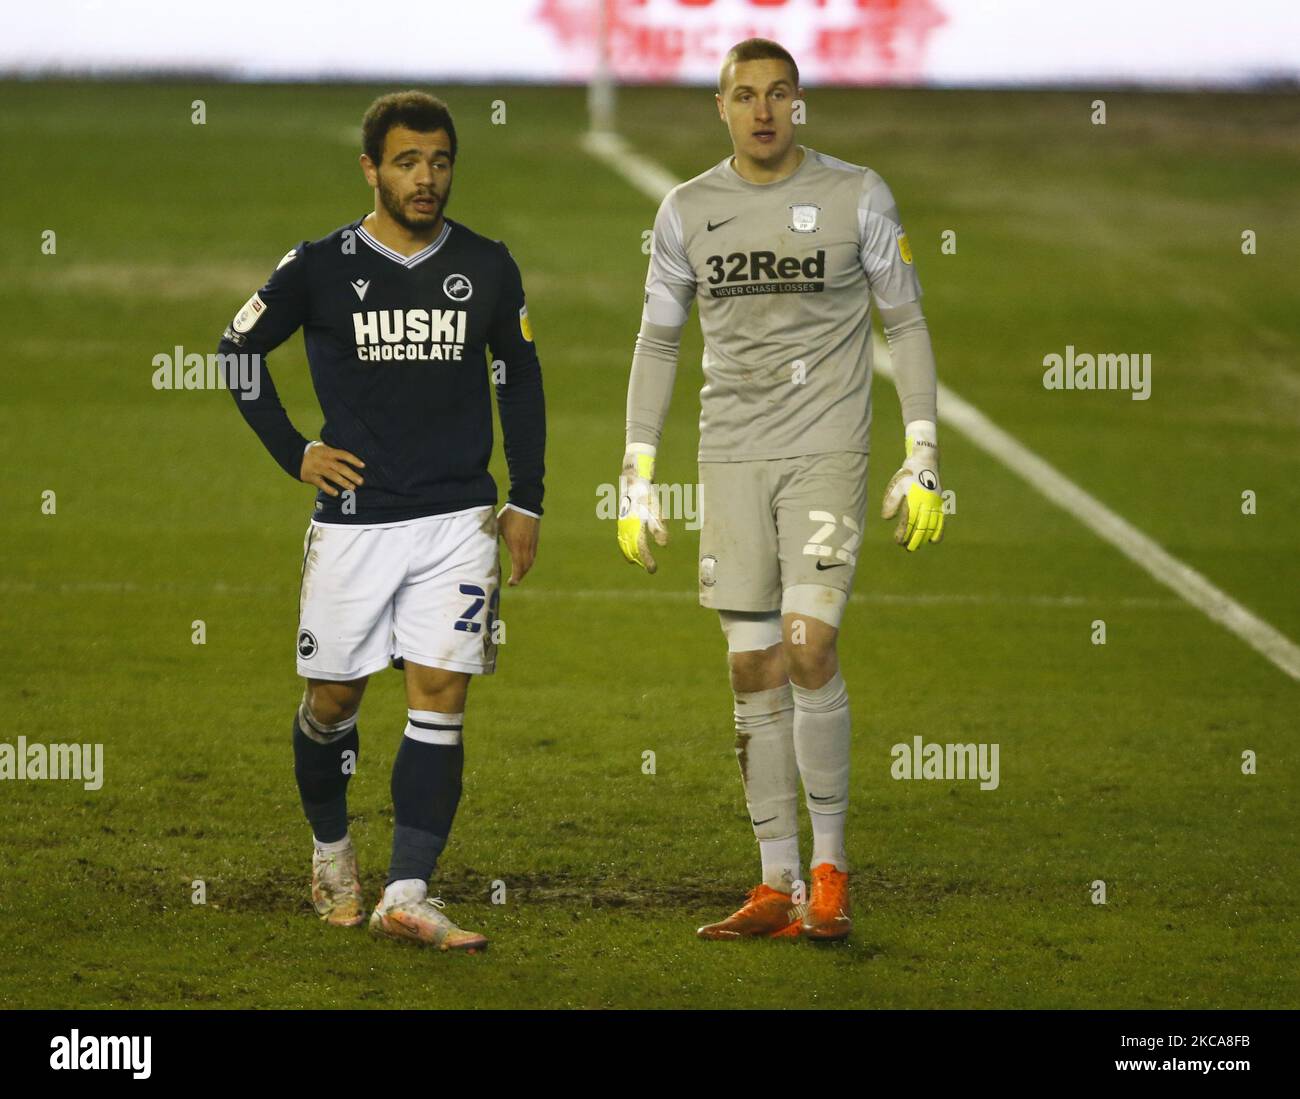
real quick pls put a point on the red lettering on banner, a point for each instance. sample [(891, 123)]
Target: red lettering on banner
[(834, 41)]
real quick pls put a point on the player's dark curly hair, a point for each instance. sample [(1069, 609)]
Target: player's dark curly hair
[(756, 49), (417, 111)]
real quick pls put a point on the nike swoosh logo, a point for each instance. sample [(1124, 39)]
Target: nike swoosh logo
[(822, 568), (720, 224), (404, 927), (756, 823), (828, 797)]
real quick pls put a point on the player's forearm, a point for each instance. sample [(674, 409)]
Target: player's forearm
[(262, 410), (522, 405), (913, 359), (650, 387)]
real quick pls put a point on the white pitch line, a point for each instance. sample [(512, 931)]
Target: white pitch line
[(533, 589), (653, 181), (922, 599)]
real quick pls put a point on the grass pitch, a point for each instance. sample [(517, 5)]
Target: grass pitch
[(1120, 763)]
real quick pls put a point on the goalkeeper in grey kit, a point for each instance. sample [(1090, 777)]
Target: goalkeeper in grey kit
[(784, 249)]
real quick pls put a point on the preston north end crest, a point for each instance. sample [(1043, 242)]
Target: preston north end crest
[(803, 217)]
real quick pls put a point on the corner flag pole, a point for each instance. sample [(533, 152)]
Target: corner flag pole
[(600, 91)]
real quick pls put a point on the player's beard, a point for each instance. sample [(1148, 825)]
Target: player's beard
[(394, 205)]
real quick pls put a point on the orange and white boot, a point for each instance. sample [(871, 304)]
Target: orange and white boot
[(421, 920), (336, 887), (766, 914), (828, 917)]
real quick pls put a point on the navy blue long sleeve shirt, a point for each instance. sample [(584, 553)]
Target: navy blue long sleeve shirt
[(398, 349)]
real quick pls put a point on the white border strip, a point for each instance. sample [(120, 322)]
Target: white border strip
[(960, 415)]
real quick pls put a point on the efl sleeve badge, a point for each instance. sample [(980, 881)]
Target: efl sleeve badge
[(904, 248)]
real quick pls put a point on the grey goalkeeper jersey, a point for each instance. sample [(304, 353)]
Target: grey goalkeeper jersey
[(782, 273)]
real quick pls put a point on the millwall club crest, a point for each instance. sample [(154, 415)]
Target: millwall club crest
[(457, 287), (803, 217)]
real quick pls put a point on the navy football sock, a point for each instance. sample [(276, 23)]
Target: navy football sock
[(322, 772), (426, 790)]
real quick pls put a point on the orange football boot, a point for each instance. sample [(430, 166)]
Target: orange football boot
[(828, 916), (766, 914)]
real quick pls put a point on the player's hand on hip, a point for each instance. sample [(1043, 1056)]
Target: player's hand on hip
[(325, 467), (639, 520), (915, 489), (519, 531)]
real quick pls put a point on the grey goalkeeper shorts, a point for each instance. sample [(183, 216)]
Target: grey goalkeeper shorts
[(779, 523)]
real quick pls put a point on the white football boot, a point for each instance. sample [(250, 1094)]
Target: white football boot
[(421, 920), (336, 887)]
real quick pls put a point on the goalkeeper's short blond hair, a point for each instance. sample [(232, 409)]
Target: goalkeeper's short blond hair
[(756, 49)]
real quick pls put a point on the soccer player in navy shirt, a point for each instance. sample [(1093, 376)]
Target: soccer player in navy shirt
[(398, 311)]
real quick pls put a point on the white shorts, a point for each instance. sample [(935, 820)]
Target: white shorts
[(425, 590)]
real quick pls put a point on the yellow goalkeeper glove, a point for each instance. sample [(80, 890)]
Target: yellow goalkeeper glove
[(916, 489), (638, 507)]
